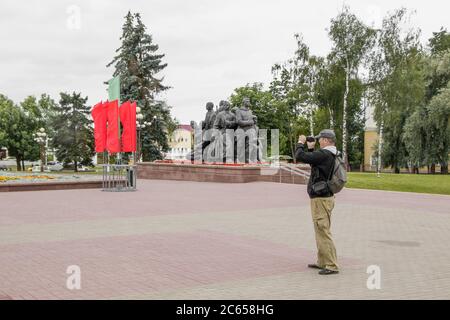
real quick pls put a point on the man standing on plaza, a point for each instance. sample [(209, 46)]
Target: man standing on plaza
[(322, 199)]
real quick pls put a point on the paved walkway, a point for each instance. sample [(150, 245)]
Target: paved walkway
[(188, 240)]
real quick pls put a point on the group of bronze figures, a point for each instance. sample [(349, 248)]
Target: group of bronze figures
[(228, 135)]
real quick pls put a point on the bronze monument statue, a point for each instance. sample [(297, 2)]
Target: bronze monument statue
[(228, 135)]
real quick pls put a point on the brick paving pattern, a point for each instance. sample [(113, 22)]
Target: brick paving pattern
[(189, 240)]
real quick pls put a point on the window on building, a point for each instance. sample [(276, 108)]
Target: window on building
[(373, 160)]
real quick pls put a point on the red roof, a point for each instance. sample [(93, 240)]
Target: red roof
[(185, 127)]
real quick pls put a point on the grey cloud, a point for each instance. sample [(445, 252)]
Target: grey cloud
[(211, 46)]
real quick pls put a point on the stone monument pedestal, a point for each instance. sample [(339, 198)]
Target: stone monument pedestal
[(218, 173)]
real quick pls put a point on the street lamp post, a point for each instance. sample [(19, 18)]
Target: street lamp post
[(41, 138), (140, 126)]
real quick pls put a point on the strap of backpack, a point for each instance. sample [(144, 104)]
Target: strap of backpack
[(333, 167)]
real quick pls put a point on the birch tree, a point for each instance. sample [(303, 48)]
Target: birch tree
[(352, 40)]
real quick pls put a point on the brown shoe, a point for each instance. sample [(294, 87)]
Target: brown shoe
[(314, 266)]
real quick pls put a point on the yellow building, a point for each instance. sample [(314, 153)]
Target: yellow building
[(180, 143), (370, 147)]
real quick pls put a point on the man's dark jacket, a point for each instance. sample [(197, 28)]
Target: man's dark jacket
[(321, 161)]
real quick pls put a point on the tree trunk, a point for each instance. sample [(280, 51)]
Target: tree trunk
[(331, 119), (344, 115), (19, 168), (397, 170), (312, 81), (380, 145), (292, 147), (444, 168), (76, 166), (23, 165), (433, 169), (311, 120)]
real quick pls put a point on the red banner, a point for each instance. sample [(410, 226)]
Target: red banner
[(113, 142), (99, 116), (128, 118)]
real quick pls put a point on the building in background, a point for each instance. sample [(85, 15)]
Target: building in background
[(370, 147), (180, 143), (370, 142)]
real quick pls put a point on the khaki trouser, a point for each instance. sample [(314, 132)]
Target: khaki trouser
[(321, 209)]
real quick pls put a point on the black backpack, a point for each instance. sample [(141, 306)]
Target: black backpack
[(336, 180), (338, 176)]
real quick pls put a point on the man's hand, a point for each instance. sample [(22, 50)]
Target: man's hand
[(302, 139)]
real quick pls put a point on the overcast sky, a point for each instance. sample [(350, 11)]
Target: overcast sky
[(211, 46)]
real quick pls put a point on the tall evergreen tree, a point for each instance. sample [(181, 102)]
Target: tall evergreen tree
[(74, 138), (138, 65)]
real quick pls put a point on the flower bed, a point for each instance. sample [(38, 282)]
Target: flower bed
[(29, 177)]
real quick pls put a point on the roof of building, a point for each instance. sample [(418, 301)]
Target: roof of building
[(185, 127)]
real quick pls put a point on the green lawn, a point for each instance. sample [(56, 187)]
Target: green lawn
[(437, 184)]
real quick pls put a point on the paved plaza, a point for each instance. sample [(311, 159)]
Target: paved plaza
[(188, 240)]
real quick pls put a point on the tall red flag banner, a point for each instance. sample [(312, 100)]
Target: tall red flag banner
[(112, 141), (128, 118), (99, 116)]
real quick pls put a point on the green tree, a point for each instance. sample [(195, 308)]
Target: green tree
[(352, 39), (397, 85), (294, 92), (266, 108), (74, 138), (138, 65), (17, 125), (438, 63), (330, 98), (439, 129), (285, 106), (426, 130), (34, 117), (262, 104), (48, 111), (415, 138), (440, 42)]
